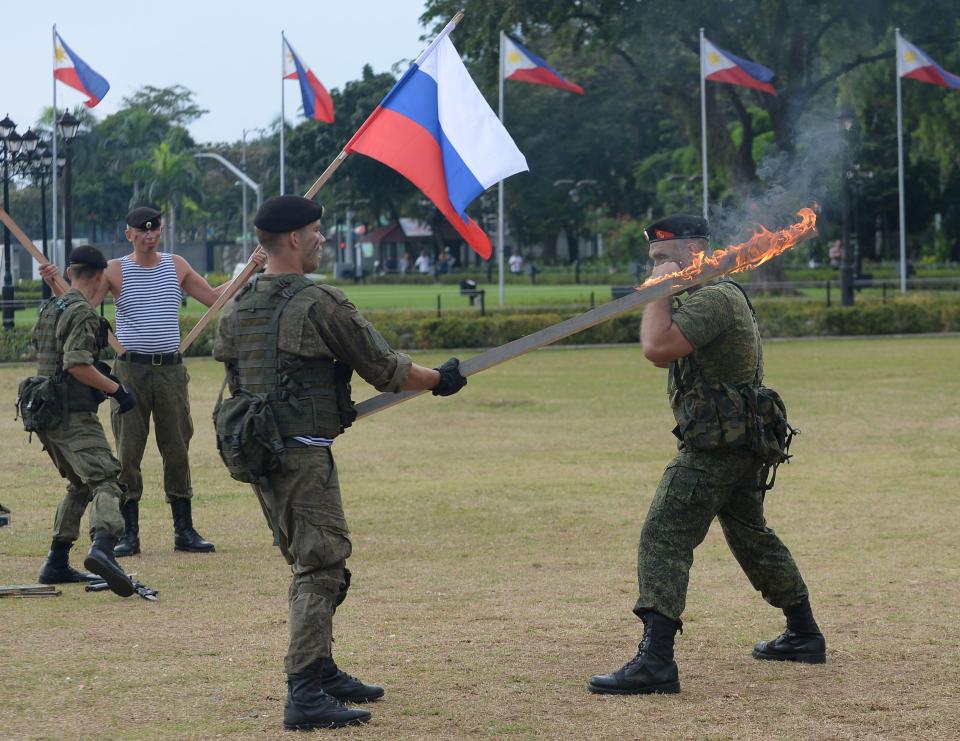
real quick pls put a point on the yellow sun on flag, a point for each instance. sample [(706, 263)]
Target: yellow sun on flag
[(513, 56), (909, 56), (59, 54), (713, 59)]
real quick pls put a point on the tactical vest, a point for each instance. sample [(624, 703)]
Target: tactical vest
[(78, 396), (715, 416), (302, 392)]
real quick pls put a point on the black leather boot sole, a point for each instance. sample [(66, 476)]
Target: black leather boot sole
[(65, 576), (118, 582), (188, 549), (359, 720), (127, 548), (664, 688), (800, 658)]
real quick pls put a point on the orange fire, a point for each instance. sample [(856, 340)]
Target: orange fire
[(760, 248)]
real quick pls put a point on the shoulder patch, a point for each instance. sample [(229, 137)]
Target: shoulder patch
[(335, 293)]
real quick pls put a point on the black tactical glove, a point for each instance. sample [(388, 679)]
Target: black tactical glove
[(451, 379), (124, 398)]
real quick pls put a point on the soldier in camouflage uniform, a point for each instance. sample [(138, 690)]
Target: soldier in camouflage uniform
[(712, 346), (69, 337), (297, 342)]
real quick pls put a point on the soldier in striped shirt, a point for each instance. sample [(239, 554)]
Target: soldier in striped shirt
[(148, 287)]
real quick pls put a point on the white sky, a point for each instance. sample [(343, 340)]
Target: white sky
[(226, 51)]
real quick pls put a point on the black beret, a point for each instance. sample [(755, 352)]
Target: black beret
[(144, 217), (89, 257), (286, 214), (677, 226)]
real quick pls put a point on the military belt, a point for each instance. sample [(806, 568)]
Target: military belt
[(156, 358)]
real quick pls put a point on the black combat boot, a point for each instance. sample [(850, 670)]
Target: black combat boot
[(652, 670), (802, 640), (185, 538), (344, 687), (309, 707), (129, 544), (56, 568), (100, 561)]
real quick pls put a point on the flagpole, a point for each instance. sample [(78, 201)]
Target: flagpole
[(53, 139), (703, 130), (903, 208), (500, 184), (283, 110)]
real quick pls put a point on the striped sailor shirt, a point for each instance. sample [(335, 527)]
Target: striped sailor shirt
[(148, 318)]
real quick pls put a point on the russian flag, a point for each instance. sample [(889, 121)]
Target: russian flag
[(722, 66), (524, 66), (435, 128), (73, 71), (914, 64), (317, 103)]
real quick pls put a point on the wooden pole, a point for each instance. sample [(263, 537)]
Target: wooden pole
[(60, 285)]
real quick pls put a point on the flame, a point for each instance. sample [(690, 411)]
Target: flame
[(760, 248)]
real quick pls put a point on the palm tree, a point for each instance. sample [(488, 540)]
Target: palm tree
[(172, 178)]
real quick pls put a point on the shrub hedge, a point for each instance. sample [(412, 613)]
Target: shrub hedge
[(778, 317)]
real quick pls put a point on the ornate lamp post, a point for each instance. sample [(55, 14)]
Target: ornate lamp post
[(42, 167), (67, 126), (13, 159)]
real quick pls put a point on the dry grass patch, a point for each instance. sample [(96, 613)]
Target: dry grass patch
[(494, 559)]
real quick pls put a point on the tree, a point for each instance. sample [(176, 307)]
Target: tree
[(171, 178), (811, 46)]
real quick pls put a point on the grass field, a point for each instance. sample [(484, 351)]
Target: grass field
[(373, 297), (494, 567)]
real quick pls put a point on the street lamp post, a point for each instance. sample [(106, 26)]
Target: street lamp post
[(846, 262), (13, 143), (574, 193), (42, 164), (68, 126)]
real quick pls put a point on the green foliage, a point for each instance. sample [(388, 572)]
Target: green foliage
[(778, 317)]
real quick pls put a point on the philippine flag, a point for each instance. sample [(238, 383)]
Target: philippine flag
[(523, 66), (317, 103), (913, 63), (722, 66), (435, 128), (73, 71)]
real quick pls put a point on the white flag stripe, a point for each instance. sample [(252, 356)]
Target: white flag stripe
[(910, 58), (516, 59), (714, 59), (469, 123)]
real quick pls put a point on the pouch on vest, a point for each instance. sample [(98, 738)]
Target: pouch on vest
[(749, 416), (342, 373), (248, 438), (39, 403)]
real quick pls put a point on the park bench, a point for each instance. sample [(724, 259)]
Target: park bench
[(621, 291)]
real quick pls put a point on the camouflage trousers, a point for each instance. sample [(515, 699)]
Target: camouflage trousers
[(696, 487), (161, 393), (303, 507), (81, 453)]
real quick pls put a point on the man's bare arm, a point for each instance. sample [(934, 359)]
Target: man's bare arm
[(662, 340)]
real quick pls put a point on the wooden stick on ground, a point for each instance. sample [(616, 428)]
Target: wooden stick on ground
[(60, 286), (29, 590)]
